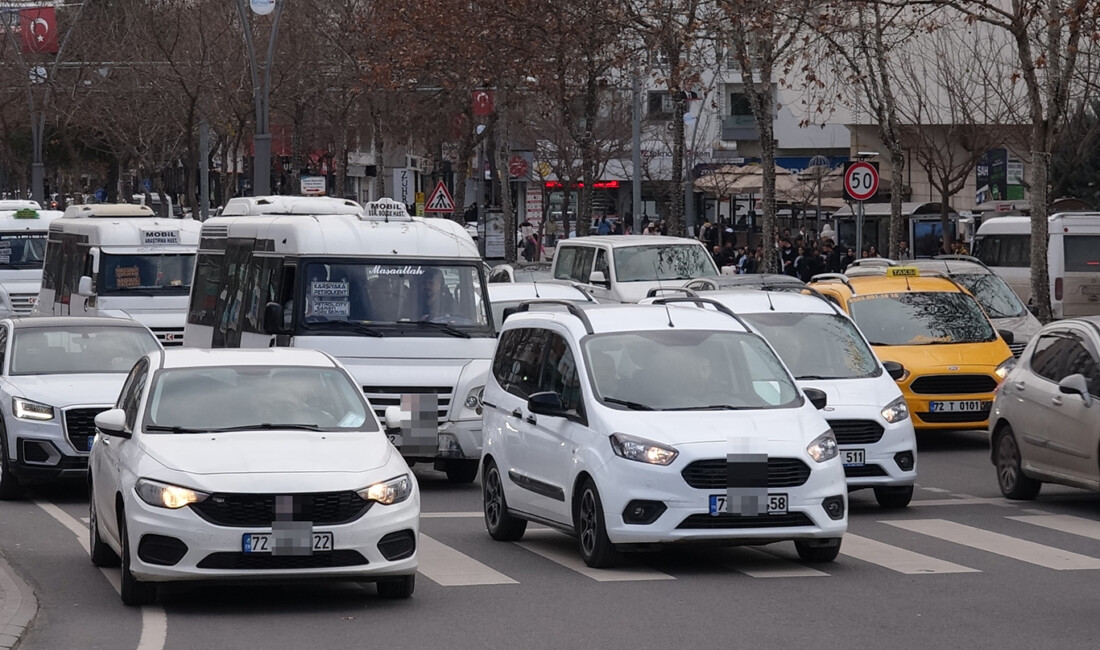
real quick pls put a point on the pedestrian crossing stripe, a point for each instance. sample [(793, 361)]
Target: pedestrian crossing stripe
[(440, 200)]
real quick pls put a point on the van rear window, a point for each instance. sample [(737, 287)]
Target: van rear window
[(1082, 253), (1003, 250)]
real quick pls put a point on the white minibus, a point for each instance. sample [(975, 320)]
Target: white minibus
[(1073, 258), (23, 228), (120, 260), (399, 300)]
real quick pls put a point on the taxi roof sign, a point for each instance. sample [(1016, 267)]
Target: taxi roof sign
[(903, 271), (385, 208)]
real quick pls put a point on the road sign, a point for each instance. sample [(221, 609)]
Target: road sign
[(313, 185), (860, 180), (440, 200), (517, 166)]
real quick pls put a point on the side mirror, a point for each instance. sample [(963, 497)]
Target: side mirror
[(817, 397), (1033, 308), (84, 287), (1007, 335), (546, 403), (94, 255), (112, 423), (894, 369), (273, 319), (1075, 384), (599, 278)]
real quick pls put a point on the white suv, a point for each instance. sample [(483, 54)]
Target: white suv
[(866, 410), (639, 425)]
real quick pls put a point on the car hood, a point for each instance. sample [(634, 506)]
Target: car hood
[(263, 452), (923, 357), (1022, 327), (866, 391), (69, 390), (687, 427)]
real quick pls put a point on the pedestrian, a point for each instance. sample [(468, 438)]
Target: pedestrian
[(719, 258), (706, 234), (650, 228), (903, 250), (551, 232), (847, 260), (832, 257), (603, 227), (800, 263), (872, 252), (617, 227), (787, 256)]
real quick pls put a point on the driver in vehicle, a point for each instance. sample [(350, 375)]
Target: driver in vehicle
[(436, 298)]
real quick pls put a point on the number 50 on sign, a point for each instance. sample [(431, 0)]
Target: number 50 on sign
[(860, 180)]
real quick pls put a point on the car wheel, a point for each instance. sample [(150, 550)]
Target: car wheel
[(102, 555), (398, 587), (461, 471), (894, 497), (502, 526), (1010, 474), (10, 489), (597, 551), (133, 591), (818, 550)]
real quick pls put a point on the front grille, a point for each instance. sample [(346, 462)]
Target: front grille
[(727, 520), (80, 426), (1017, 349), (23, 303), (262, 561), (856, 432), (381, 397), (864, 472), (953, 384), (169, 336), (711, 474), (258, 510)]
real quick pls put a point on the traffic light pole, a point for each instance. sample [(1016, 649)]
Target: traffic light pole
[(261, 96)]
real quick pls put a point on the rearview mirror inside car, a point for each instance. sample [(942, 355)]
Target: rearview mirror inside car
[(546, 403), (817, 397), (894, 369), (1076, 384), (112, 423)]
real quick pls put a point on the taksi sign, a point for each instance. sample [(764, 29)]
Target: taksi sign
[(860, 180)]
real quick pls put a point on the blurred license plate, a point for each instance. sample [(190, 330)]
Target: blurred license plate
[(777, 504), (394, 438), (265, 542), (960, 406), (853, 457)]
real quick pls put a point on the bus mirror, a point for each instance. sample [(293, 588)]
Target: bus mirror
[(84, 287), (273, 319), (93, 254)]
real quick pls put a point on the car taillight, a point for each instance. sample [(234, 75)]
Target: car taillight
[(1057, 288)]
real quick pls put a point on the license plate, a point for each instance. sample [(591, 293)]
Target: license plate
[(394, 438), (960, 406), (265, 542), (777, 504), (853, 457)]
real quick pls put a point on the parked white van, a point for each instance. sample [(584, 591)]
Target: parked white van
[(23, 228), (399, 300), (120, 260), (1073, 259)]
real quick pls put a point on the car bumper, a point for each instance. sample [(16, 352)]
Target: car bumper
[(924, 418), (890, 461)]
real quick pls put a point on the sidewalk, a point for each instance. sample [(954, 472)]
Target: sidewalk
[(17, 606)]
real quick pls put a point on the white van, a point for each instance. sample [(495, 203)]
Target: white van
[(399, 300), (1073, 259), (120, 260), (23, 228)]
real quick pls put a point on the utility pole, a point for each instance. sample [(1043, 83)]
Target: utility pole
[(204, 171), (261, 95), (636, 153)]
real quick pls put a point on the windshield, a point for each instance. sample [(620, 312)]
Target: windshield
[(123, 274), (679, 369), (671, 262), (993, 294), (24, 250), (817, 346), (204, 399), (921, 318), (394, 296), (75, 350)]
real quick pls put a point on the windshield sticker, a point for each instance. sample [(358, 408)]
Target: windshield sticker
[(329, 289), (127, 277), (160, 237), (397, 270), (874, 296), (5, 257), (330, 308)]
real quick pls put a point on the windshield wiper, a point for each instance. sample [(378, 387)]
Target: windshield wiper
[(443, 327), (634, 406), (172, 429), (816, 377), (355, 326), (267, 426), (711, 407)]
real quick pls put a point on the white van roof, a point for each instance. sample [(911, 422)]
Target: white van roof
[(18, 204), (108, 210), (1018, 225), (271, 205), (621, 241), (40, 222), (166, 235)]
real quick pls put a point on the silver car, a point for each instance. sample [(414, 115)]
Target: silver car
[(1045, 423)]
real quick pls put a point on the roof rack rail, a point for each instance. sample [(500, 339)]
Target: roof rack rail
[(570, 306), (834, 277), (794, 288), (960, 258), (701, 302), (652, 293), (874, 261)]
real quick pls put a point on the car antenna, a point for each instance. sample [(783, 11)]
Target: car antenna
[(769, 295), (657, 274), (907, 287)]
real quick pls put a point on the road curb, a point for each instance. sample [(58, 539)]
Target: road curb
[(18, 606)]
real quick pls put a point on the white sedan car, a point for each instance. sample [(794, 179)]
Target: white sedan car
[(56, 374), (249, 464)]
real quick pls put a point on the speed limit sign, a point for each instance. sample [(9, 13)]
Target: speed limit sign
[(860, 180)]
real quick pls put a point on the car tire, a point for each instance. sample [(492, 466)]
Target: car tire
[(10, 489), (397, 587), (597, 551), (133, 592), (502, 526), (818, 550), (102, 554), (461, 470), (894, 497), (1010, 474)]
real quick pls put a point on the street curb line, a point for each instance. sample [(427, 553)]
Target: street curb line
[(18, 606)]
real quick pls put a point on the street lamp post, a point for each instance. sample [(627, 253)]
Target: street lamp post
[(261, 96)]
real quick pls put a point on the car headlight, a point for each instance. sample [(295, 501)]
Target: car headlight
[(1006, 367), (28, 410), (165, 495), (896, 411), (473, 400), (823, 447), (388, 492), (642, 450)]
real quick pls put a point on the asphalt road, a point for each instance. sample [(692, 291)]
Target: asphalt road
[(961, 567)]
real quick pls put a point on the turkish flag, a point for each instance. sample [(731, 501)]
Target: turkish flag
[(483, 103), (39, 29)]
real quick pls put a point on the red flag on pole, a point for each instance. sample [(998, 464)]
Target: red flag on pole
[(39, 29), (483, 103)]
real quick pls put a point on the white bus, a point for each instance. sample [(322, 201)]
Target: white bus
[(23, 228), (119, 260), (399, 300), (1073, 258)]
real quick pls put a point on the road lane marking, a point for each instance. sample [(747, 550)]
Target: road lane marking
[(896, 558), (998, 544), (452, 515), (552, 545), (154, 628), (970, 501), (756, 563), (1066, 524), (448, 567), (936, 490)]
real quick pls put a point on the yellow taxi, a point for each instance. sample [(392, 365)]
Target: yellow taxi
[(951, 357)]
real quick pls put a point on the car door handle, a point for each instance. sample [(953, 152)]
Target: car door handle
[(517, 414), (1019, 385), (106, 440), (531, 419), (1056, 400)]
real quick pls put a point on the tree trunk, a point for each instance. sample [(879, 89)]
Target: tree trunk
[(378, 144), (897, 180), (770, 222), (676, 205), (465, 151), (1040, 276), (588, 155), (297, 123), (945, 224), (340, 160), (500, 151)]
